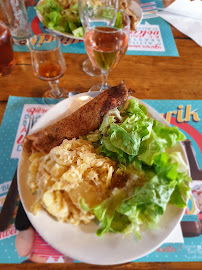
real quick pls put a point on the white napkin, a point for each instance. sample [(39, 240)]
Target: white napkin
[(191, 27)]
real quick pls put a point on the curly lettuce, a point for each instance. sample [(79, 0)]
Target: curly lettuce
[(55, 17), (138, 142)]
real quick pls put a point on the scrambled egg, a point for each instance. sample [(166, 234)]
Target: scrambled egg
[(68, 173)]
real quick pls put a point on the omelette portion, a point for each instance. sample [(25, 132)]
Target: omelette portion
[(68, 173)]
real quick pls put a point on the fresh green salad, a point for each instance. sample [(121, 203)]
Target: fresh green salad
[(56, 17), (67, 20), (142, 148)]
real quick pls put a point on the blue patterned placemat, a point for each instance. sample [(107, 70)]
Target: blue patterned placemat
[(152, 37), (186, 114)]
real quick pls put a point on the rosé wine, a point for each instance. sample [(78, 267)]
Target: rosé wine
[(105, 46)]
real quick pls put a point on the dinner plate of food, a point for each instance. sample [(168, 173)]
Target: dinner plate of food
[(103, 178), (62, 17)]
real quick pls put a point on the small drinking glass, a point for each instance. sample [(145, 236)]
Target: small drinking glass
[(106, 39), (84, 7), (48, 64), (17, 21)]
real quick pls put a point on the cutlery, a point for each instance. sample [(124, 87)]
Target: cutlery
[(9, 204), (21, 220), (11, 198)]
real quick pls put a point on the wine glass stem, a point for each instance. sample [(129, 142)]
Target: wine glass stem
[(104, 85), (55, 91)]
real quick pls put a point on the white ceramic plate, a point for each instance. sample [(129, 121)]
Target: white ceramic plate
[(134, 7), (81, 242)]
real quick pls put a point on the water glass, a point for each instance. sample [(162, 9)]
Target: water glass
[(17, 21)]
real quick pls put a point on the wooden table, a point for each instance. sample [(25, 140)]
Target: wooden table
[(151, 77)]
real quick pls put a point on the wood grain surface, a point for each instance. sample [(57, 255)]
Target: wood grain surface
[(150, 77), (83, 266)]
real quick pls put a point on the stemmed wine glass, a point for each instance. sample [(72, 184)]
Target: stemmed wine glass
[(48, 64), (106, 39), (84, 7)]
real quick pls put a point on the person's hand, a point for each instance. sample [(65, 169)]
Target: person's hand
[(29, 3)]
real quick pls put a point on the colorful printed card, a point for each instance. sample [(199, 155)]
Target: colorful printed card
[(186, 114), (152, 37)]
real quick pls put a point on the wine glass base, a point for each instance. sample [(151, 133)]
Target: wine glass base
[(89, 69), (49, 99), (98, 87)]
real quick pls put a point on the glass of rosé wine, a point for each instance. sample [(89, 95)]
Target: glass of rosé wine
[(48, 64), (84, 7), (106, 35)]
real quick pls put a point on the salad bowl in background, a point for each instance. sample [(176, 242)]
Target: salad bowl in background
[(61, 33), (133, 7), (85, 245)]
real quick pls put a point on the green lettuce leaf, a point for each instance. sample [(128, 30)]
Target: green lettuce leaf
[(141, 146), (138, 135), (78, 32), (164, 184), (118, 22), (105, 213), (49, 6), (57, 18), (109, 118), (128, 142)]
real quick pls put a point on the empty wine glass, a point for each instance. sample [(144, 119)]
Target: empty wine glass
[(84, 7), (48, 64), (106, 39)]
